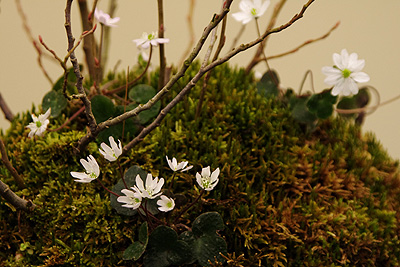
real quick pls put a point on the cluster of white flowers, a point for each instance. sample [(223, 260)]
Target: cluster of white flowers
[(152, 188)]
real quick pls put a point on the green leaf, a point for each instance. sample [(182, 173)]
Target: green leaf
[(56, 101), (164, 249), (267, 85), (300, 112), (142, 93), (136, 250), (102, 107), (207, 223), (208, 248), (322, 104)]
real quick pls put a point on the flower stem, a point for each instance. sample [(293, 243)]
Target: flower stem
[(108, 190), (121, 173), (189, 206), (163, 63)]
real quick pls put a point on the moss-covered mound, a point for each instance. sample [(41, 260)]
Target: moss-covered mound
[(288, 198)]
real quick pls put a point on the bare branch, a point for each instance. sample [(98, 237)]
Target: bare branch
[(9, 166), (163, 60), (15, 200), (6, 110), (189, 23)]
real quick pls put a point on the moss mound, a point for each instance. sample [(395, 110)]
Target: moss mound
[(288, 198)]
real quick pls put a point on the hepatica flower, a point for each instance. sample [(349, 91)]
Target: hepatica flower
[(207, 180), (39, 125), (152, 187), (111, 153), (92, 171), (250, 10), (150, 39), (105, 19), (345, 74), (166, 204), (173, 164), (132, 199)]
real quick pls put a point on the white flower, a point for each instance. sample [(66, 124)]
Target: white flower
[(152, 188), (345, 73), (207, 180), (150, 39), (92, 171), (250, 10), (105, 19), (166, 204), (173, 164), (111, 153), (39, 125), (132, 199)]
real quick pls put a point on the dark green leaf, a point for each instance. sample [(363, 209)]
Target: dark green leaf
[(207, 249), (136, 250), (208, 223), (142, 93), (267, 86), (56, 101), (102, 107)]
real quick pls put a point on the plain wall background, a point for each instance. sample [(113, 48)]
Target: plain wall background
[(368, 27)]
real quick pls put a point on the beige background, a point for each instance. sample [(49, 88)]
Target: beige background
[(368, 27)]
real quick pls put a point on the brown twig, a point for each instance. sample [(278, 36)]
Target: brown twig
[(75, 64), (305, 43), (34, 42), (6, 110), (9, 166), (189, 23), (163, 59), (15, 200)]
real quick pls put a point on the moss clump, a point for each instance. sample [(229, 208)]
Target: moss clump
[(288, 198)]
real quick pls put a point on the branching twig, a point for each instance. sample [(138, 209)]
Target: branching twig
[(75, 64), (9, 166), (6, 110)]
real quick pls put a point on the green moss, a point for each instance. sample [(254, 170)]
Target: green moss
[(326, 198)]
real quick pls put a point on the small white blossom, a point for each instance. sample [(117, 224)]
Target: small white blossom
[(92, 171), (152, 188), (150, 39), (105, 19), (173, 164), (165, 204), (345, 74), (250, 10), (39, 125), (132, 199), (111, 153), (207, 180)]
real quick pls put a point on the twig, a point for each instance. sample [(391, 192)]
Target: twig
[(189, 23), (9, 166), (15, 200), (237, 37), (6, 110), (305, 43), (308, 72), (34, 42), (163, 63), (75, 64)]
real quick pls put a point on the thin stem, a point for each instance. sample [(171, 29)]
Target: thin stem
[(98, 67), (189, 206), (308, 72), (172, 181), (119, 89), (273, 78), (6, 110), (108, 190), (189, 20), (241, 31), (125, 101), (121, 173)]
